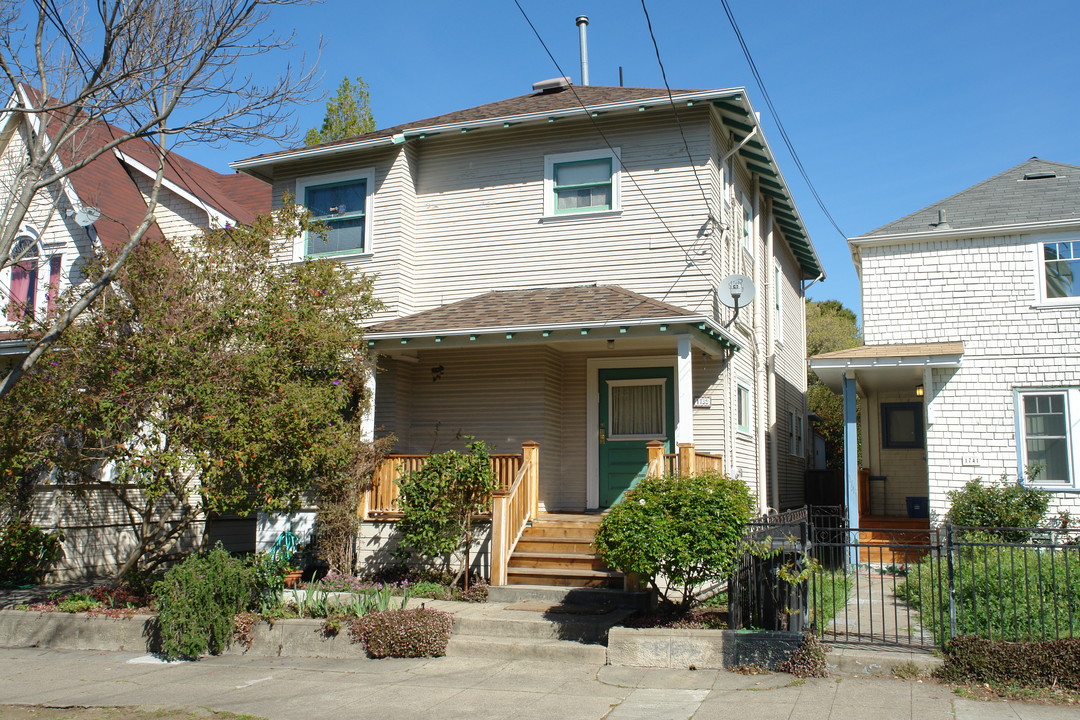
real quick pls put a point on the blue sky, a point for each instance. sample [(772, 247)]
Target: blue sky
[(890, 106)]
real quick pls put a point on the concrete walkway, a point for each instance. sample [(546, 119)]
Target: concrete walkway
[(448, 688)]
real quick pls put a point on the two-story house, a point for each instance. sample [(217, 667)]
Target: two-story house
[(971, 366), (550, 265), (96, 208)]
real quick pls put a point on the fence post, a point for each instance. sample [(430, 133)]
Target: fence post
[(655, 465), (952, 578), (686, 459)]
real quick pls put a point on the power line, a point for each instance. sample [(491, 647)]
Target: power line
[(776, 116), (690, 260)]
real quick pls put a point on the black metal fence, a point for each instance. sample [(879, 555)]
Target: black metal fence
[(906, 587)]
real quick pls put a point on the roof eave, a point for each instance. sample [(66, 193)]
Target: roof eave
[(705, 324), (952, 233), (251, 164)]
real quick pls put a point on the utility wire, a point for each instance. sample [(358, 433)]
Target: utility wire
[(776, 116), (671, 100), (607, 142)]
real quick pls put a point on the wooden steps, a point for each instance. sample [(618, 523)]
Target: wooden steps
[(894, 541), (556, 549)]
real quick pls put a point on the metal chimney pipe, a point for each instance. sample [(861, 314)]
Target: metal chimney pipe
[(582, 23)]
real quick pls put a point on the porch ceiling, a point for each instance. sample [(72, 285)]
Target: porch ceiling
[(886, 367)]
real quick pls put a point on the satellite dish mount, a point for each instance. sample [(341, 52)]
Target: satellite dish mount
[(735, 291)]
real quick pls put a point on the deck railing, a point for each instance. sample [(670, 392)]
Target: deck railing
[(380, 501), (512, 509), (685, 462)]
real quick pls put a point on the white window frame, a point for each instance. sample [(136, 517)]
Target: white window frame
[(662, 382), (550, 161), (800, 434), (746, 226), (367, 175), (791, 433), (1040, 270), (743, 387), (1071, 396)]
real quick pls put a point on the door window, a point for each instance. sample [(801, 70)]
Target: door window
[(636, 409)]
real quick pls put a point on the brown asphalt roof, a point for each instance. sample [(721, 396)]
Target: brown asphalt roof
[(588, 95), (544, 306), (869, 352), (107, 183)]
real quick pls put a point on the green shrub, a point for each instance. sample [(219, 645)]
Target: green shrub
[(198, 601), (423, 632), (1050, 663), (808, 660), (998, 504), (77, 603), (686, 529), (1011, 593), (27, 553), (440, 501)]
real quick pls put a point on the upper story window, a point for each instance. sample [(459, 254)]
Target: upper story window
[(342, 203), (742, 406), (1046, 431), (22, 279), (778, 302), (746, 226), (1060, 271), (581, 182)]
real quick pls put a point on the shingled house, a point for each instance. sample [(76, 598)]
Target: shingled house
[(550, 266), (971, 317)]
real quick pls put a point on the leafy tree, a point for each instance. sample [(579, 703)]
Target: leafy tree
[(347, 114), (687, 530), (440, 501), (170, 71), (213, 380), (829, 327)]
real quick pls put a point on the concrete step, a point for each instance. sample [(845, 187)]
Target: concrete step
[(573, 595), (494, 620), (562, 651)]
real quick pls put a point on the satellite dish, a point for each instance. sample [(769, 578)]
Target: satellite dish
[(736, 291), (87, 215)]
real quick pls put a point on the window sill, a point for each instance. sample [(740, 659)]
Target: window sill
[(743, 434), (342, 255), (1070, 304), (1053, 488), (573, 216)]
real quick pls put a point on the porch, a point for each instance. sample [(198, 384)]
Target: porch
[(529, 546)]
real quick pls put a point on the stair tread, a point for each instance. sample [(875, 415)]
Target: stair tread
[(562, 572), (554, 555)]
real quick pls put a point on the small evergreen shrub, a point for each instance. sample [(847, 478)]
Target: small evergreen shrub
[(27, 553), (1044, 664), (1001, 504), (198, 601), (808, 660), (687, 529), (422, 632)]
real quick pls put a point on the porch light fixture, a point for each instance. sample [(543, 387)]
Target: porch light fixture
[(919, 392)]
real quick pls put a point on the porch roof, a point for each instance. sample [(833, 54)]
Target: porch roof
[(543, 313), (886, 366)]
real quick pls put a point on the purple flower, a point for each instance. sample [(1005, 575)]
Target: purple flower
[(337, 382)]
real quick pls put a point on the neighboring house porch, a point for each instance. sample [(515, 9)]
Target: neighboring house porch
[(887, 483)]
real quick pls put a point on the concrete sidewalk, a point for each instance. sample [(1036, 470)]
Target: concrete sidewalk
[(447, 688)]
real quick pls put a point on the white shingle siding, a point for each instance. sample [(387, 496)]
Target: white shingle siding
[(981, 291)]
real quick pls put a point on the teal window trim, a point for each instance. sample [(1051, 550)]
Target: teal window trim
[(609, 184), (358, 214)]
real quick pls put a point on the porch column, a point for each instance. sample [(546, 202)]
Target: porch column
[(684, 389), (367, 421), (851, 462)]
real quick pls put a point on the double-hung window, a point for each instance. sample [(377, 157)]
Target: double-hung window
[(581, 182), (1046, 434), (795, 434), (742, 407), (341, 203), (1059, 269), (22, 279), (746, 226)]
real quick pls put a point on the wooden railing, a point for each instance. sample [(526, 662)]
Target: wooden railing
[(685, 462), (380, 501), (512, 509)]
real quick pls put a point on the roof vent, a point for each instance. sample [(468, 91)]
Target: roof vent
[(552, 85), (1040, 175), (942, 220)]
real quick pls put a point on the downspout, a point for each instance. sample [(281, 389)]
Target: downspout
[(761, 391)]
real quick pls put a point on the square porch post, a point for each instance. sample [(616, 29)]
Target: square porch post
[(851, 464), (684, 392)]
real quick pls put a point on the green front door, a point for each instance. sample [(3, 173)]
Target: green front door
[(636, 405)]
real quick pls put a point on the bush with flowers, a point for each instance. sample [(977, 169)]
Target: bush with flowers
[(685, 529), (420, 632)]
